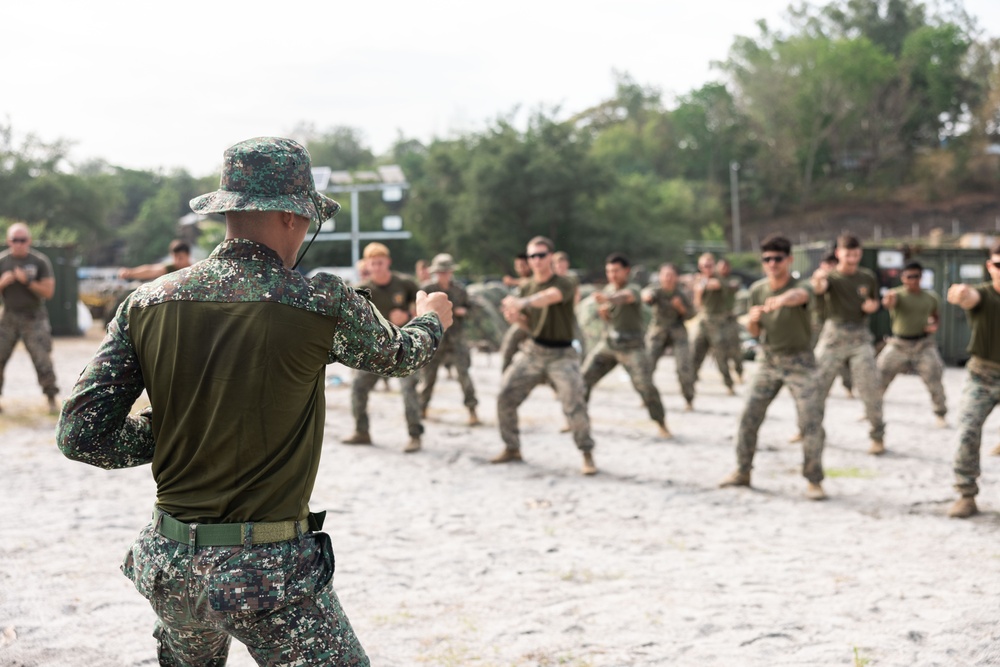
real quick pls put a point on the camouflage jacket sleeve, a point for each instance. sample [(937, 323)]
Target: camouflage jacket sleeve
[(365, 340), (95, 426)]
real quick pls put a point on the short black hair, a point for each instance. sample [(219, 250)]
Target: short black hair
[(180, 246), (776, 243), (995, 248), (914, 266), (618, 258), (521, 255), (848, 241), (830, 258), (669, 265)]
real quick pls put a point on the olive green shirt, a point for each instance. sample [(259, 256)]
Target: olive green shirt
[(624, 325), (399, 293), (985, 322), (845, 295), (786, 330), (718, 302), (912, 311), (232, 353), (18, 297), (665, 316), (554, 323)]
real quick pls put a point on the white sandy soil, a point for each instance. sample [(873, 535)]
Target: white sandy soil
[(444, 559)]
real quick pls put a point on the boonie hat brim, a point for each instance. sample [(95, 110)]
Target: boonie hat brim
[(317, 207)]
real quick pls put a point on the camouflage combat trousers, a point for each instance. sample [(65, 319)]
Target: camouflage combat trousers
[(914, 356), (34, 329), (657, 340), (277, 599), (733, 347), (535, 365), (979, 396), (712, 333), (363, 384), (852, 343), (457, 352), (795, 371), (510, 344), (603, 359)]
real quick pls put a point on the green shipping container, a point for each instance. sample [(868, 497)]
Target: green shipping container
[(62, 305)]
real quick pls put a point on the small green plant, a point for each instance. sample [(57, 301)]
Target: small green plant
[(855, 473), (859, 660)]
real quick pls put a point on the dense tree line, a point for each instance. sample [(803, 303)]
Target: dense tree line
[(856, 101)]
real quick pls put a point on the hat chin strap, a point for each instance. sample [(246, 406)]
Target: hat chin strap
[(319, 226)]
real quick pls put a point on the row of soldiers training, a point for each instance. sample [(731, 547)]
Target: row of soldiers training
[(808, 331)]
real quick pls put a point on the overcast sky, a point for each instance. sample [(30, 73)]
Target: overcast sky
[(168, 85)]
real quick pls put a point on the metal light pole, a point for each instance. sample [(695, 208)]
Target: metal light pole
[(734, 195)]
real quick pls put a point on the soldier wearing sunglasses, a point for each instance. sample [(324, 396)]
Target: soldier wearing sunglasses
[(912, 347)]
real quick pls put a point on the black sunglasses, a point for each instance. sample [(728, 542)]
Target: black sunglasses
[(538, 255), (996, 265), (19, 240), (773, 258)]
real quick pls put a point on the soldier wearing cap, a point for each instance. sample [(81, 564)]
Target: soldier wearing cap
[(453, 347), (912, 347), (26, 281), (394, 297), (619, 304), (232, 353), (544, 309)]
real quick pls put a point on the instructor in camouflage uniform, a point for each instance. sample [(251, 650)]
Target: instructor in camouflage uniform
[(232, 352), (453, 347), (982, 383), (26, 281), (671, 308), (779, 318), (912, 347), (619, 304), (544, 308), (394, 297), (851, 293)]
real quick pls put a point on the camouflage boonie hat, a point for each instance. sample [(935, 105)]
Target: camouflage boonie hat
[(267, 174), (442, 263)]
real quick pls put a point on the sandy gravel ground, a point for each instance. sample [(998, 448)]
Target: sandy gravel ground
[(443, 559)]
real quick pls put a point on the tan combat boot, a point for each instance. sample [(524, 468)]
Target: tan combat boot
[(736, 478), (814, 491), (963, 508), (796, 438), (877, 448), (689, 406), (473, 419), (413, 445), (507, 456), (664, 432), (588, 464), (53, 405), (941, 422), (995, 451), (358, 438)]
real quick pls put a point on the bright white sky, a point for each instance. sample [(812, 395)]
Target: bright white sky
[(172, 84)]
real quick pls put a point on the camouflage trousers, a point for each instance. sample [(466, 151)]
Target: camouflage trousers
[(979, 396), (851, 343), (636, 362), (34, 329), (914, 356), (277, 599), (713, 335), (535, 365), (457, 353), (795, 371), (363, 384), (510, 344), (845, 370), (657, 340)]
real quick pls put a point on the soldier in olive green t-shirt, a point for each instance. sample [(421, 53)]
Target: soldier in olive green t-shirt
[(912, 347), (982, 384), (779, 319), (851, 294), (544, 308), (711, 296), (620, 306)]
